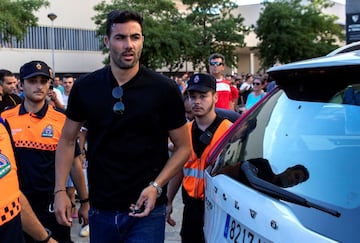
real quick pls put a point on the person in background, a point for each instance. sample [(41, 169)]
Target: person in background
[(204, 131), (36, 129), (9, 97), (234, 94), (257, 94), (68, 82), (189, 114), (85, 229), (216, 67), (246, 88), (128, 161), (56, 91), (58, 84), (54, 98), (181, 83), (1, 91)]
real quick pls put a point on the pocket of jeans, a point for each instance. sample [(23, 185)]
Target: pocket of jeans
[(93, 212), (159, 210)]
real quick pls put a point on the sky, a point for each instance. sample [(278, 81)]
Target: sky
[(245, 2)]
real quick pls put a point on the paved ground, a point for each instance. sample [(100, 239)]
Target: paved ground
[(171, 233)]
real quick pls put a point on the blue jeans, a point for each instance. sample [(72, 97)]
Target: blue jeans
[(118, 227)]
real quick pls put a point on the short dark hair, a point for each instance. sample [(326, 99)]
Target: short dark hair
[(261, 79), (120, 17), (5, 73), (68, 75), (216, 55)]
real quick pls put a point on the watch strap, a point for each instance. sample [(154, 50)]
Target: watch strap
[(157, 186)]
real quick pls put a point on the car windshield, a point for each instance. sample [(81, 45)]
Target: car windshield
[(305, 147)]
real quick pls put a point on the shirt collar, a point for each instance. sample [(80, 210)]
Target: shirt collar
[(40, 114)]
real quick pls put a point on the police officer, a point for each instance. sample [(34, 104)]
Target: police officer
[(12, 201), (36, 129), (204, 130)]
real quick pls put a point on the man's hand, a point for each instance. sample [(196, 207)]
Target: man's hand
[(62, 208), (169, 210), (146, 201), (84, 213)]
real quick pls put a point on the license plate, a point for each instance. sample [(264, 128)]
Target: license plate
[(235, 232)]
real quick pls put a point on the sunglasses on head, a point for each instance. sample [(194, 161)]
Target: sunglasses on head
[(216, 63), (119, 106)]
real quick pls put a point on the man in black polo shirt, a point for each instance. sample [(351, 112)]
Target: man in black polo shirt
[(129, 124)]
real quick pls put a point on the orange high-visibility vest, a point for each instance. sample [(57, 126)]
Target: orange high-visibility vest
[(9, 185), (193, 181)]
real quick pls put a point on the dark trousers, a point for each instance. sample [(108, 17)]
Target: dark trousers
[(193, 220), (42, 204), (12, 231)]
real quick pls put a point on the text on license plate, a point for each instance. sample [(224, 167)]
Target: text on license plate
[(235, 232)]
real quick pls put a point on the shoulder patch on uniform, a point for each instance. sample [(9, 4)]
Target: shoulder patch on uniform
[(9, 112), (48, 131), (4, 165)]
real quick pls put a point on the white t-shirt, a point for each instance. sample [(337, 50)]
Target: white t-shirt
[(245, 86), (59, 96), (65, 98)]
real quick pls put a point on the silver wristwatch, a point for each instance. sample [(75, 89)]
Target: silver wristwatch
[(157, 186)]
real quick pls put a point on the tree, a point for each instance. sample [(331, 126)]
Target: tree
[(166, 40), (172, 38), (290, 31), (18, 16), (214, 29)]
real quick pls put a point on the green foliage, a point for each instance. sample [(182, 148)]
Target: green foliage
[(165, 38), (172, 38), (215, 29), (290, 31), (18, 16)]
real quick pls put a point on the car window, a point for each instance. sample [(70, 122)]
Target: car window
[(321, 139)]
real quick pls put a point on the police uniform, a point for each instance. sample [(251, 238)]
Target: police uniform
[(193, 170), (10, 222), (36, 136)]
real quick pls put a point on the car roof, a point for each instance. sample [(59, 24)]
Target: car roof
[(329, 74), (343, 59), (347, 48)]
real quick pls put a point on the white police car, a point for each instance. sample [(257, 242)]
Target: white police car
[(289, 169)]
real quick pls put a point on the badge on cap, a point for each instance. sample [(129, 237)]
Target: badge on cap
[(196, 79), (38, 66)]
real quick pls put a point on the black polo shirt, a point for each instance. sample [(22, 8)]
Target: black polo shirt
[(125, 152)]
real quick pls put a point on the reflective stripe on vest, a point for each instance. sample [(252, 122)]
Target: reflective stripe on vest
[(193, 170), (9, 185)]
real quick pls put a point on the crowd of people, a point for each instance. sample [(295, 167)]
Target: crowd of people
[(52, 127), (233, 90)]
